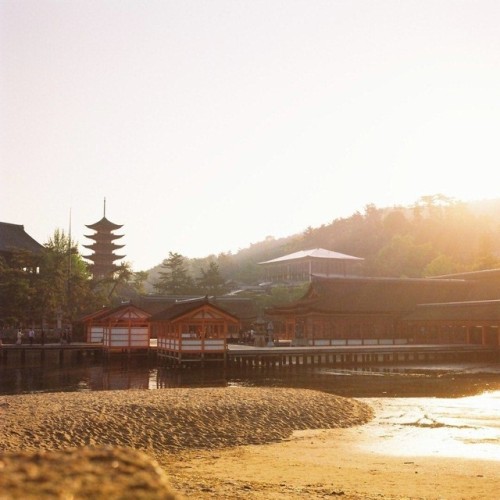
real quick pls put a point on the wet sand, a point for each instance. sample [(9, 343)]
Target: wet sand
[(276, 443), (422, 448)]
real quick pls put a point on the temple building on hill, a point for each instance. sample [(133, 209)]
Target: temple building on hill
[(302, 266), (103, 259)]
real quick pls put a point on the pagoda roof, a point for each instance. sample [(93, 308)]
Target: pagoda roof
[(316, 253), (108, 236), (13, 236), (112, 246), (104, 225), (98, 257)]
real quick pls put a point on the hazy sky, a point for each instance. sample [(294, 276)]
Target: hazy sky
[(209, 125)]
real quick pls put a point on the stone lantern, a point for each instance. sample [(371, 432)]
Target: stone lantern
[(260, 333)]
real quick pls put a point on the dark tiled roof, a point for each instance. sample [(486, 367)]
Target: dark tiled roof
[(179, 308), (377, 295), (108, 311), (484, 274), (457, 311), (104, 225), (485, 284), (243, 308), (13, 236)]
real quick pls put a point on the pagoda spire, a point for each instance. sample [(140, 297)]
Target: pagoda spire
[(103, 257)]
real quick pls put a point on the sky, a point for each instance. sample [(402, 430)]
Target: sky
[(210, 125)]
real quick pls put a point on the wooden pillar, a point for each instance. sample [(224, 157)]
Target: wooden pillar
[(483, 335)]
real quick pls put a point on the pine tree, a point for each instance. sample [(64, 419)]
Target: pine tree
[(211, 281), (174, 277)]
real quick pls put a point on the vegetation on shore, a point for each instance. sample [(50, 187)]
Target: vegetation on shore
[(435, 236)]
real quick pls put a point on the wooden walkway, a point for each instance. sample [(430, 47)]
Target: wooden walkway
[(24, 351), (247, 356), (243, 356)]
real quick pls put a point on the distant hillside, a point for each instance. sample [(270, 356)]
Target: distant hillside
[(436, 235)]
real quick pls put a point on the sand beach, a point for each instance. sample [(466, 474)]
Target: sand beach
[(240, 442)]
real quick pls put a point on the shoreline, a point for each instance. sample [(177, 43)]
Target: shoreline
[(169, 420), (419, 448), (269, 443)]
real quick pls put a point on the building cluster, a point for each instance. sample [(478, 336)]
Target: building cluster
[(340, 306)]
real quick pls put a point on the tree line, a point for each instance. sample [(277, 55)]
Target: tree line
[(436, 236), (55, 288)]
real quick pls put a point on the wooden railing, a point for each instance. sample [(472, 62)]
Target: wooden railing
[(339, 342), (190, 345)]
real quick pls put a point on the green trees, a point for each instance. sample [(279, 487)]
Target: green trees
[(17, 288), (49, 289), (55, 288), (436, 236), (211, 282), (63, 288), (401, 257), (174, 277)]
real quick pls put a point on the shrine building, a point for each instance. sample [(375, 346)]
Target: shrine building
[(125, 327), (363, 311), (194, 331), (303, 265)]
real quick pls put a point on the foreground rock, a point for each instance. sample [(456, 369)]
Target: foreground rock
[(101, 473)]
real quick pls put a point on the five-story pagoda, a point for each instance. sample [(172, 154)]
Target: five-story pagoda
[(103, 259)]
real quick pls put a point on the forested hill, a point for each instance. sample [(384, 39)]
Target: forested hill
[(437, 235)]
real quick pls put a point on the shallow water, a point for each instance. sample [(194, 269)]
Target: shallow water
[(467, 427), (420, 410), (416, 380)]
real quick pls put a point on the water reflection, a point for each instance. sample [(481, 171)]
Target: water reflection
[(401, 381), (466, 427)]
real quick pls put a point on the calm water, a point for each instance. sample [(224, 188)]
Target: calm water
[(402, 381)]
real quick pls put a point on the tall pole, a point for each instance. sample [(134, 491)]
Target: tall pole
[(69, 269)]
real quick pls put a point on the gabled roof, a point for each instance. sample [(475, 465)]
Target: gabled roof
[(13, 236), (457, 311), (483, 274), (115, 312), (485, 284), (375, 295), (181, 308), (243, 308), (316, 253)]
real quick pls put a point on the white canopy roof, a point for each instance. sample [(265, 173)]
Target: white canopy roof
[(316, 253)]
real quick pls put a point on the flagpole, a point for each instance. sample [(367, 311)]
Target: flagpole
[(69, 272)]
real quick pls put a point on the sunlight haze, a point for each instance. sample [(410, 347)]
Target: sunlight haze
[(209, 125)]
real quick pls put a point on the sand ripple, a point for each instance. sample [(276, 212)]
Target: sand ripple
[(170, 419)]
